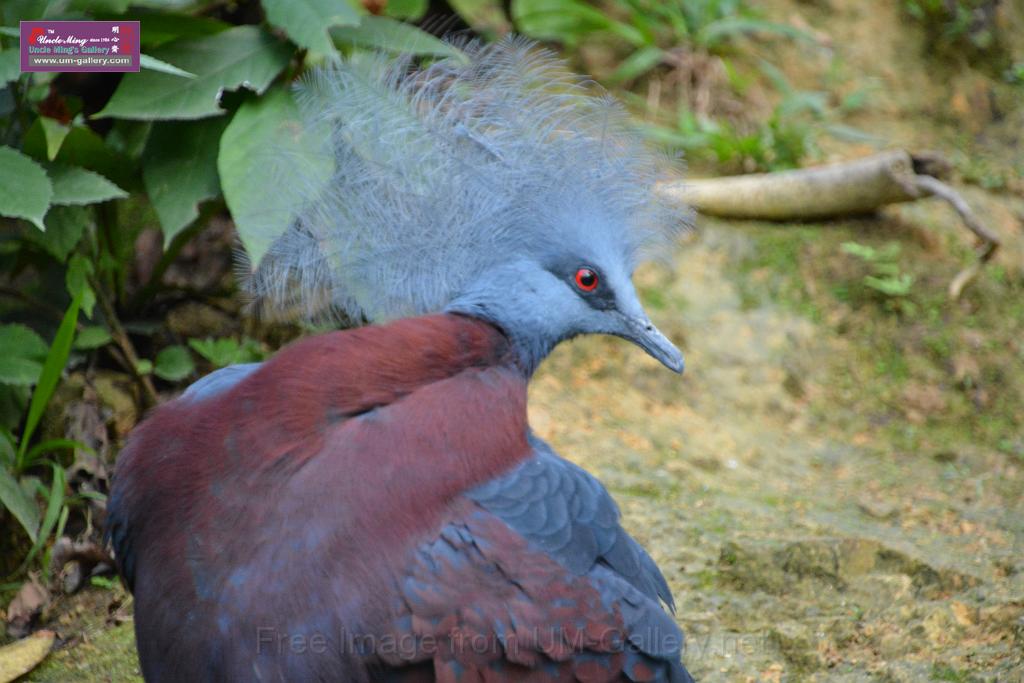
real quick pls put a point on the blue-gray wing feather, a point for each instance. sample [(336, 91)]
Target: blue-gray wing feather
[(219, 381), (563, 510)]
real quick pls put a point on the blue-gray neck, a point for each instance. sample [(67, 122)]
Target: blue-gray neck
[(529, 349), (528, 303)]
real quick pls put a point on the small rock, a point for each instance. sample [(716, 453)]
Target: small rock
[(964, 614), (843, 632), (798, 645), (793, 385), (892, 645), (815, 559), (707, 464), (751, 569), (118, 392), (857, 556), (940, 626), (198, 320), (879, 509)]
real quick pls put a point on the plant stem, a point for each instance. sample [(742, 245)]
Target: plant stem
[(153, 285), (31, 300), (124, 344)]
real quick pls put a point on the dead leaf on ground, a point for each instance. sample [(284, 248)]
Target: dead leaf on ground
[(86, 422), (21, 656), (32, 597)]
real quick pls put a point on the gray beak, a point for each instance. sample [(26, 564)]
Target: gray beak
[(642, 332)]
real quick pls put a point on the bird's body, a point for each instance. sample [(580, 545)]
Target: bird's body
[(371, 505), (447, 543)]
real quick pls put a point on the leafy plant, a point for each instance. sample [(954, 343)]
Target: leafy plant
[(173, 364), (781, 142), (651, 29), (1014, 74), (886, 277), (778, 143), (226, 351), (953, 26), (19, 488), (89, 164)]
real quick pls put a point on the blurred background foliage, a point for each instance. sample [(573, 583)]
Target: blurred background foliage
[(115, 197), (122, 198)]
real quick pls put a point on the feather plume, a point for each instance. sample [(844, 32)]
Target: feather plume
[(442, 169)]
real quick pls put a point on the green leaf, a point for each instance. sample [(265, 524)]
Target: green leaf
[(21, 340), (19, 504), (54, 505), (10, 66), (264, 149), (850, 134), (724, 29), (144, 366), (173, 364), (92, 337), (92, 6), (53, 445), (22, 352), (306, 21), (861, 251), (25, 191), (76, 279), (800, 101), (19, 371), (177, 145), (890, 286), (85, 148), (163, 27), (637, 64), (242, 56), (52, 369), (569, 21), (154, 64), (484, 16), (12, 11), (384, 33), (129, 137), (75, 186), (103, 582), (54, 132), (408, 10), (227, 351), (6, 449), (13, 404), (64, 228)]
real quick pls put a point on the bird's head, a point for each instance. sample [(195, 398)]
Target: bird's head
[(566, 290), (495, 184)]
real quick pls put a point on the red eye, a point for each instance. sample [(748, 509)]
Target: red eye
[(586, 279)]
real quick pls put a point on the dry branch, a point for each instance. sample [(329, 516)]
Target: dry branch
[(843, 189)]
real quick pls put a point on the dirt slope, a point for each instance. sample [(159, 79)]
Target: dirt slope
[(794, 552)]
